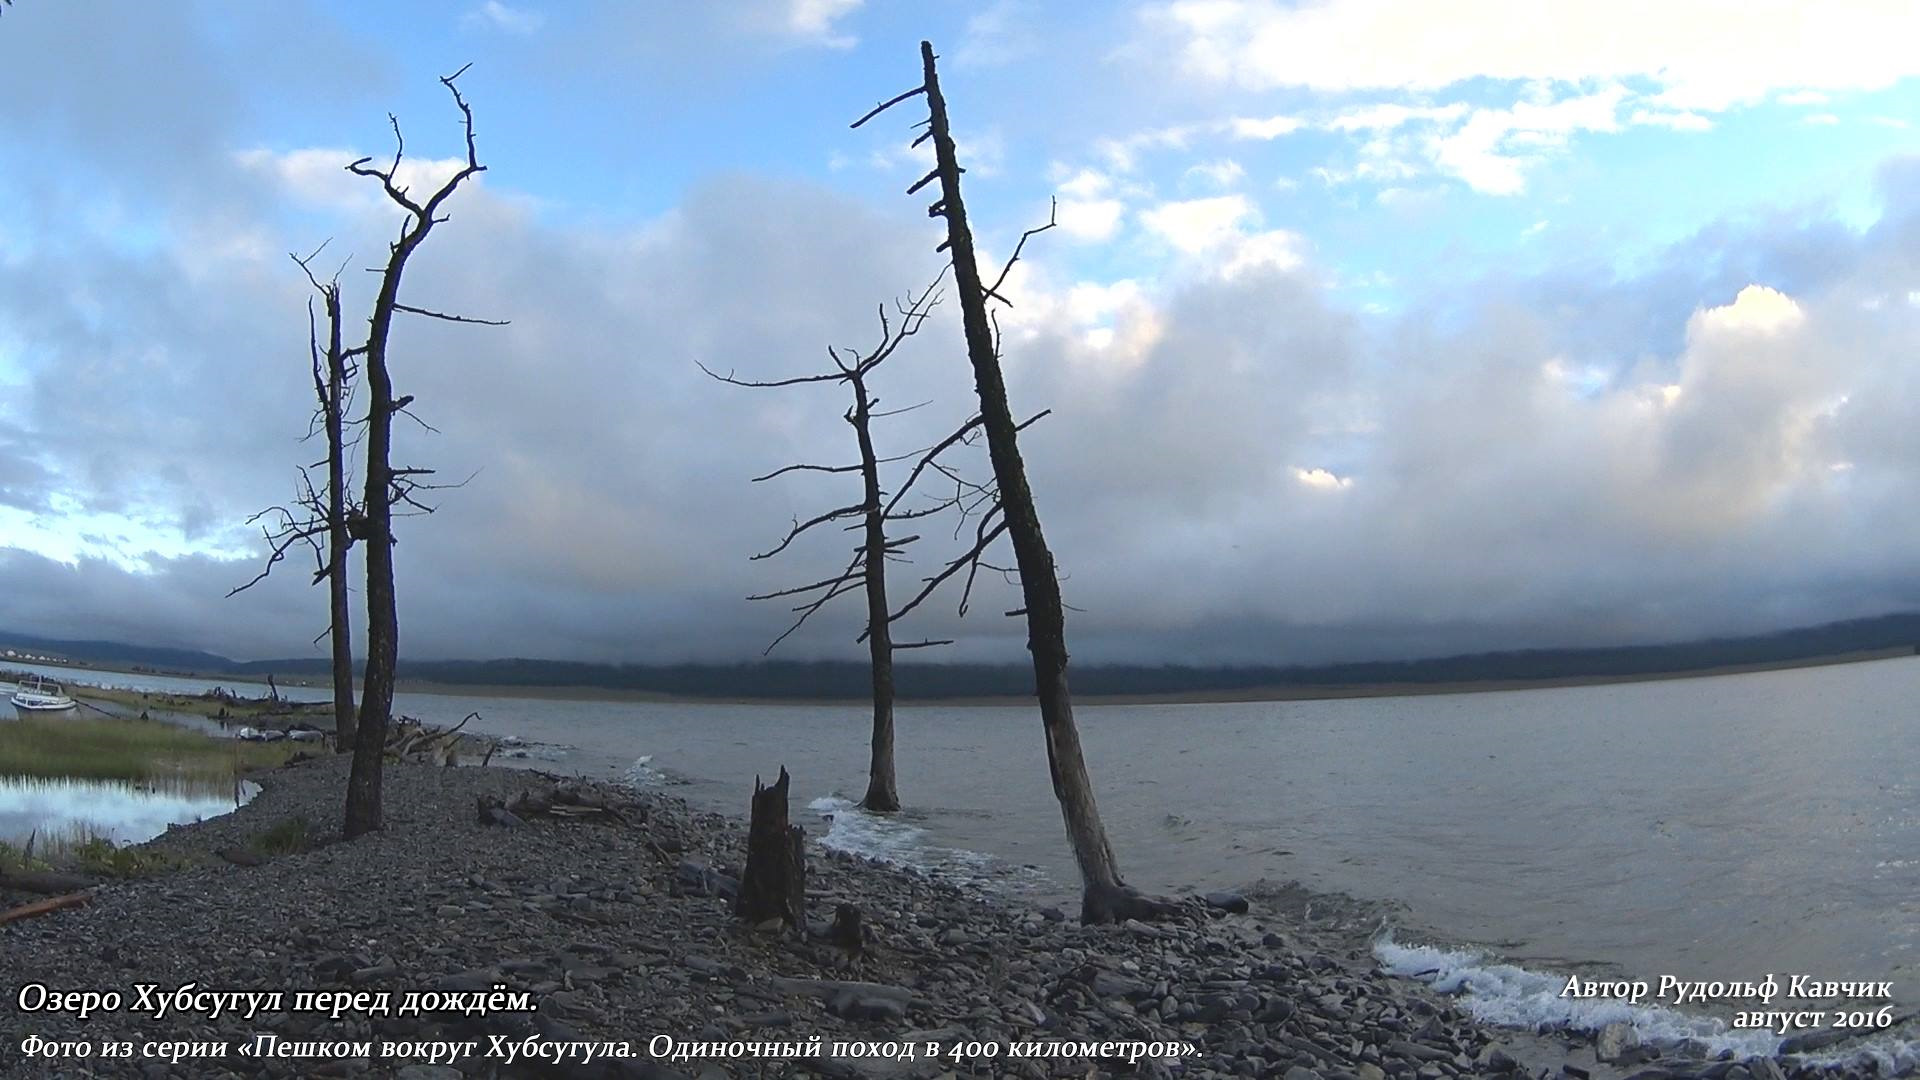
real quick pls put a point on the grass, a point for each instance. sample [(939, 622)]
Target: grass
[(289, 837), (100, 857), (95, 856), (207, 705), (18, 859), (101, 748)]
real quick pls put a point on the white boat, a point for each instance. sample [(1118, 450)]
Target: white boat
[(39, 695)]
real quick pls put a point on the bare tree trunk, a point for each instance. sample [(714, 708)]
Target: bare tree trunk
[(339, 542), (882, 794), (383, 619), (363, 813), (1105, 896)]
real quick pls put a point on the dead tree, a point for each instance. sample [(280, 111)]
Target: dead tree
[(1105, 896), (773, 884), (867, 568), (325, 514), (386, 485)]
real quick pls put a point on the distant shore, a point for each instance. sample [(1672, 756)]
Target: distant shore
[(1279, 692)]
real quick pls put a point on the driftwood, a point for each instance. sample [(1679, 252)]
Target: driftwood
[(774, 883), (42, 907), (566, 802), (409, 738), (44, 882)]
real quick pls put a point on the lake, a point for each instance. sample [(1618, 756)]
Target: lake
[(1714, 828)]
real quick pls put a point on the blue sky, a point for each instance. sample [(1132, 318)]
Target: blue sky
[(1370, 327)]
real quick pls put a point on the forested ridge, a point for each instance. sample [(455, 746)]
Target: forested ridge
[(833, 679)]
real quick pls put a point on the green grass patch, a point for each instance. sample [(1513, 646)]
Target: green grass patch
[(100, 748), (19, 859), (289, 837), (100, 857)]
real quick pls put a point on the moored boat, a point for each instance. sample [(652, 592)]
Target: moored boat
[(40, 695)]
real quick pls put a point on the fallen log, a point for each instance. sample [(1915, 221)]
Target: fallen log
[(42, 907), (44, 882), (566, 801)]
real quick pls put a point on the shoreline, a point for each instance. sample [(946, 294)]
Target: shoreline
[(1275, 693), (620, 929)]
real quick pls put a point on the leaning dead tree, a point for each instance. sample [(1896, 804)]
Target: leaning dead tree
[(386, 485), (868, 567), (1105, 896), (329, 512)]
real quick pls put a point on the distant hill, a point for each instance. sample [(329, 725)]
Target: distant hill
[(835, 679)]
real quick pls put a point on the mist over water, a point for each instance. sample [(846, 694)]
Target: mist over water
[(1715, 828)]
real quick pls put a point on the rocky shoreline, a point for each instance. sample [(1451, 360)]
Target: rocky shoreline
[(617, 926)]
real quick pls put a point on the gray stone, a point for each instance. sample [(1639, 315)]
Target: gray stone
[(1614, 1041)]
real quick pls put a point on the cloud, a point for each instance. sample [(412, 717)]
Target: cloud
[(1193, 226), (1703, 54), (1494, 149), (815, 20), (494, 15), (1678, 121), (1272, 127), (1091, 219), (1239, 463), (1223, 173), (997, 35)]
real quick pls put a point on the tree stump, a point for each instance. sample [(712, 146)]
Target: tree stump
[(774, 883)]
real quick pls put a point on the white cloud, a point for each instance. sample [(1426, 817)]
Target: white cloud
[(1090, 219), (1193, 226), (1703, 54), (1123, 153), (1321, 479), (814, 20), (1224, 173), (1678, 121), (1388, 115), (318, 176), (1755, 309), (1222, 234), (1824, 119), (1493, 151), (1272, 127), (494, 15)]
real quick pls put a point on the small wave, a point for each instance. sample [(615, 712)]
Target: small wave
[(1512, 996), (642, 774), (887, 839)]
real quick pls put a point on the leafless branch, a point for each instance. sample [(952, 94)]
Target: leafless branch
[(952, 568), (889, 103), (806, 468), (444, 317), (1053, 218), (801, 527), (835, 376)]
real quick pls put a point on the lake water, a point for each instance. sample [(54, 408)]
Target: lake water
[(56, 813), (1718, 828)]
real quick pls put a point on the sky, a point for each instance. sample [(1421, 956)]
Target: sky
[(1368, 329)]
